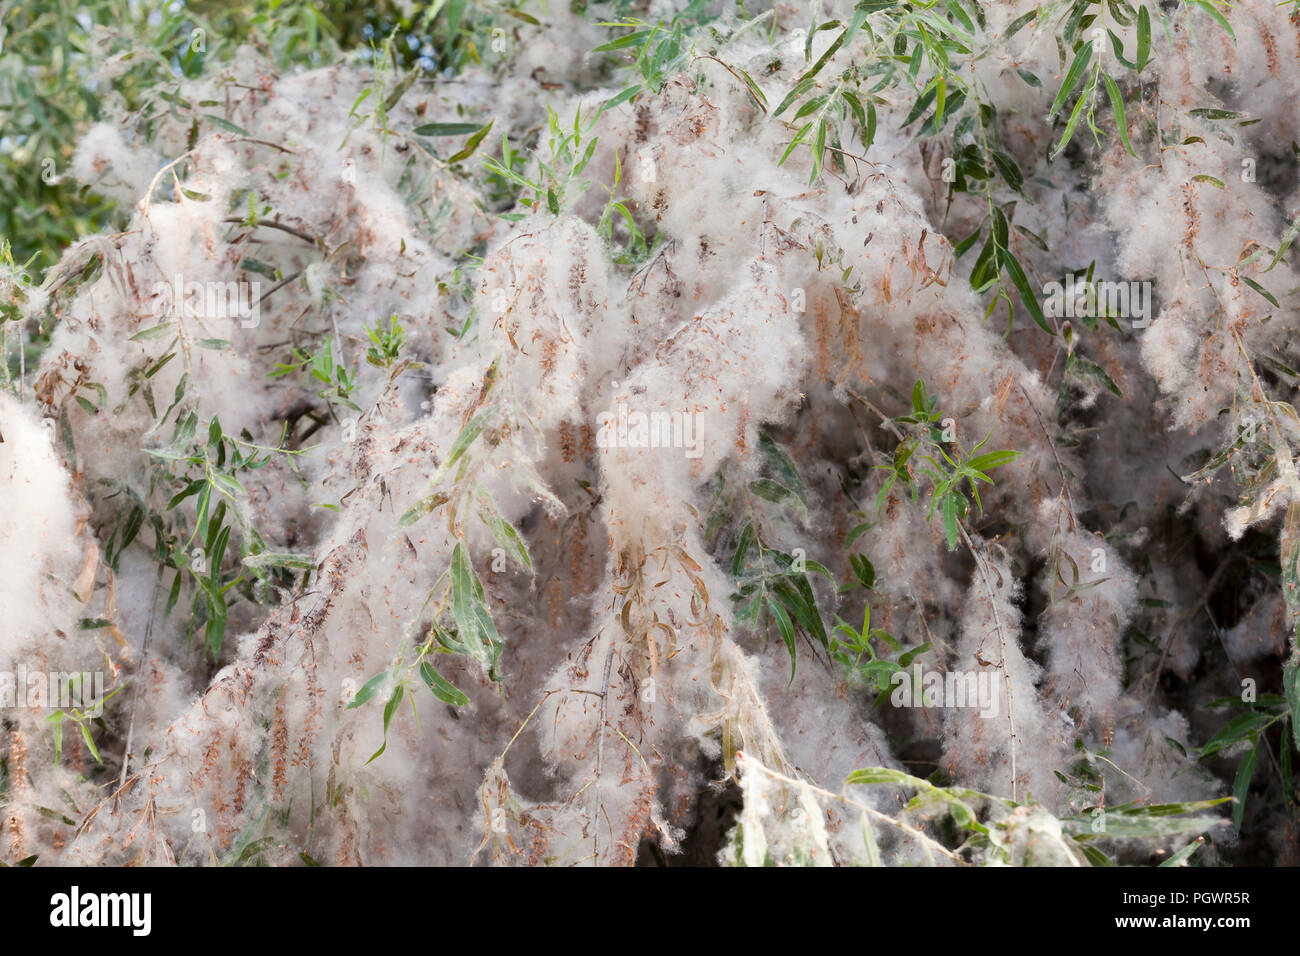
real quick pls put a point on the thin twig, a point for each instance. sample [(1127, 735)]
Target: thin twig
[(1218, 632), (278, 286), (929, 842), (1065, 481), (144, 651), (1002, 640), (273, 225), (262, 142), (604, 703), (1206, 592)]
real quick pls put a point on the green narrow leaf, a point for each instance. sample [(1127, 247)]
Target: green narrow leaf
[(819, 150), (1032, 236), (489, 631), (446, 129), (215, 631), (621, 98), (56, 719), (855, 105), (1075, 115), (800, 88), (1291, 688), (1090, 367), (280, 559), (1241, 785), (830, 52), (463, 602), (742, 549), (798, 138), (471, 144), (1241, 727), (1214, 12), (872, 775), (1182, 856), (804, 605), (808, 107), (1000, 231), (467, 436), (1287, 239), (992, 459), (226, 125), (153, 331), (1018, 23), (505, 533), (1118, 46), (785, 626), (783, 465), (1073, 77), (368, 690), (400, 89), (921, 105), (1117, 106), (863, 570), (1144, 38), (755, 91), (390, 708), (1095, 856), (985, 270), (90, 743), (442, 688), (1027, 296), (632, 39), (1009, 169), (770, 490), (1029, 78), (1261, 290), (948, 508)]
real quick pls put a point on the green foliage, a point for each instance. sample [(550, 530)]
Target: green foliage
[(946, 464), (918, 50), (1245, 733), (458, 616), (1002, 836), (15, 294), (635, 249), (878, 670), (83, 720), (205, 467), (337, 382), (652, 53), (48, 94), (923, 52), (45, 102), (773, 585), (461, 624), (850, 645), (385, 344), (558, 180)]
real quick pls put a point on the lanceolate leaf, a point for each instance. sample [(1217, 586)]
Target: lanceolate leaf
[(1143, 38), (1073, 77), (1117, 105), (1027, 295)]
